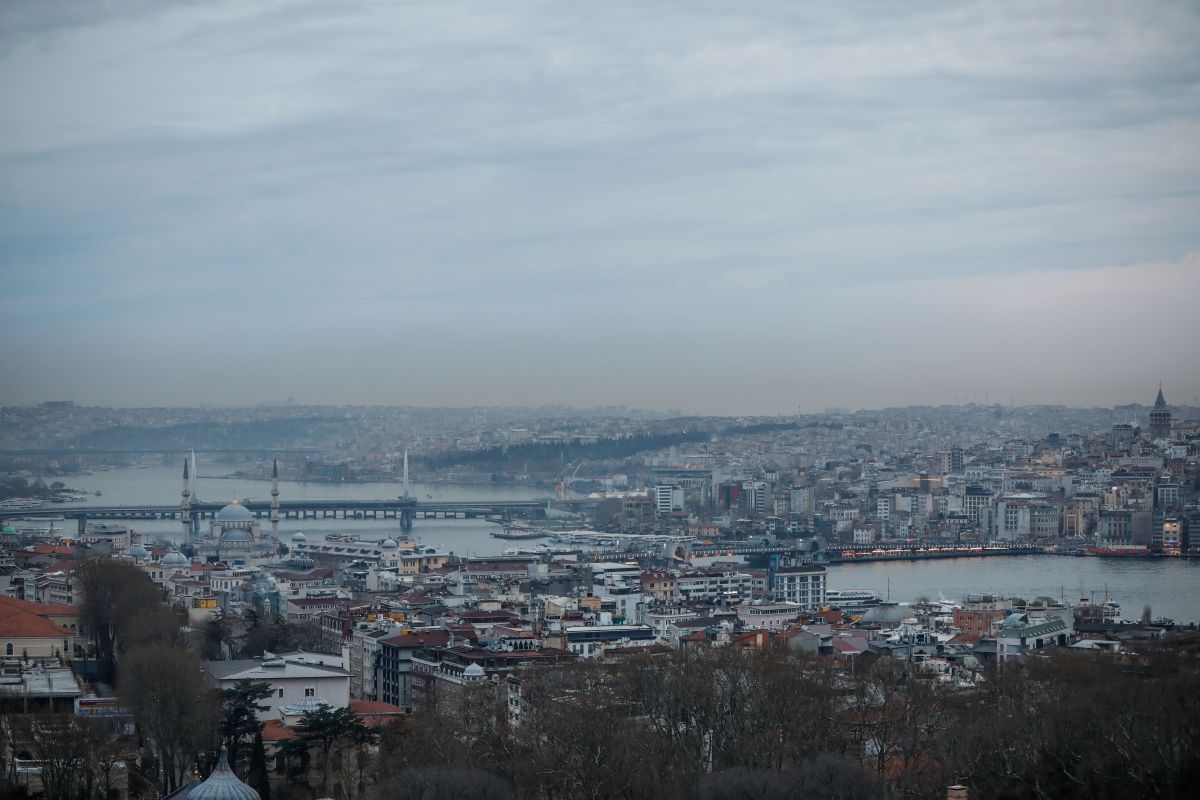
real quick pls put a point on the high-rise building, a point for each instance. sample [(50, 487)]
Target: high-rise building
[(668, 498), (755, 493)]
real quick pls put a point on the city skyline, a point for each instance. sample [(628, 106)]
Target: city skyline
[(686, 206)]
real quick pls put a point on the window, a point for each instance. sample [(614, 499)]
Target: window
[(310, 692), (281, 692), (8, 649)]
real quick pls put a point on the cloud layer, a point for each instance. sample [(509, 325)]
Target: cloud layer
[(711, 206)]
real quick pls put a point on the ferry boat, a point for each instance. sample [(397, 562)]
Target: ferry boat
[(520, 531), (20, 504), (539, 550), (852, 600)]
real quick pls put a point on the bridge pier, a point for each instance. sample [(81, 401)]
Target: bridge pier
[(406, 520)]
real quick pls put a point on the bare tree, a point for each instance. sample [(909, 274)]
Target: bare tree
[(77, 757), (445, 783), (116, 595), (175, 709)]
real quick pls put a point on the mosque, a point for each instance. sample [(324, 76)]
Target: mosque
[(234, 534), (222, 784)]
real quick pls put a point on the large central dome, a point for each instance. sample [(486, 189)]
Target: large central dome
[(234, 512)]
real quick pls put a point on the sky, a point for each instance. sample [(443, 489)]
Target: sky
[(726, 208)]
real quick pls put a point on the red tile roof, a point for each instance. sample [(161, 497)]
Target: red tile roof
[(17, 623), (275, 731), (362, 707), (53, 549), (41, 609), (422, 639)]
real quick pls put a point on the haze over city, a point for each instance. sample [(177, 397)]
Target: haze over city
[(693, 206)]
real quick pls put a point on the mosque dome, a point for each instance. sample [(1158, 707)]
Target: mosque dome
[(234, 512), (389, 544), (174, 559), (236, 536), (222, 784), (473, 671), (9, 528), (299, 538), (137, 551)]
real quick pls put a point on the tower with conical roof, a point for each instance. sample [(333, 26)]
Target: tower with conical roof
[(275, 499), (1160, 417)]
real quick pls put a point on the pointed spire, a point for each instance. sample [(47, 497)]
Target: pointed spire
[(275, 469), (185, 469), (1160, 401)]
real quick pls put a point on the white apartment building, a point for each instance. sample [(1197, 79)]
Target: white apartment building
[(803, 585)]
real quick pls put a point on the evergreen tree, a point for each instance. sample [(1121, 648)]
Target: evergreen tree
[(239, 720), (256, 775)]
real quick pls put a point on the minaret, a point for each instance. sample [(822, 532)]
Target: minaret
[(275, 499), (407, 487), (185, 505), (196, 478)]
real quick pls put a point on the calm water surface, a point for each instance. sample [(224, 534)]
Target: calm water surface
[(1170, 587), (159, 485)]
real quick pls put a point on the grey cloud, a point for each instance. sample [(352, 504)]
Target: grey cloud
[(610, 179)]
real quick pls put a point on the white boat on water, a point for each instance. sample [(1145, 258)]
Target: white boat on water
[(20, 504), (852, 599)]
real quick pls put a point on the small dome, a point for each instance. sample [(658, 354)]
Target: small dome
[(305, 705), (299, 538), (174, 559), (234, 512), (9, 528), (389, 544), (236, 536), (137, 551), (222, 784), (473, 671)]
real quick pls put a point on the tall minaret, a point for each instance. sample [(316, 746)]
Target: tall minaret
[(185, 505), (275, 499), (407, 487)]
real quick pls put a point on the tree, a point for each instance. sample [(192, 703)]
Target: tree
[(831, 777), (166, 691), (256, 775), (239, 717), (445, 783), (742, 784), (329, 730), (117, 600), (77, 756)]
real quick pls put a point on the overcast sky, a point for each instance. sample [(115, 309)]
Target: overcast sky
[(720, 207)]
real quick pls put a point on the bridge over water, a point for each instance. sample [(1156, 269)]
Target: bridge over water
[(405, 510)]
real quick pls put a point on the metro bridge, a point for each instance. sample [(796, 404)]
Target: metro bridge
[(405, 510)]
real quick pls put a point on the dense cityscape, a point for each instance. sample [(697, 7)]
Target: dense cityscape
[(658, 557), (532, 400)]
